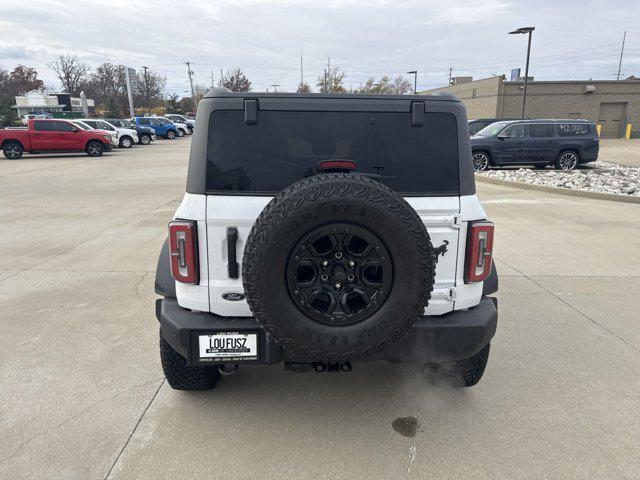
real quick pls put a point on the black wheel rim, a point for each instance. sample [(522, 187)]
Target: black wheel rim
[(339, 274), (94, 149)]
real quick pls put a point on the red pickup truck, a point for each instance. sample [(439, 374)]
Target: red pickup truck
[(53, 136)]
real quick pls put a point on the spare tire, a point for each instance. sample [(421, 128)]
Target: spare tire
[(337, 267)]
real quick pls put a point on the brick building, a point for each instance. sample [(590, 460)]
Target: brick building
[(611, 103)]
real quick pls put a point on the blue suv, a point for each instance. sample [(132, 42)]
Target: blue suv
[(163, 127), (565, 144)]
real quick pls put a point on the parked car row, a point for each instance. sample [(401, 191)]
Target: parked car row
[(565, 144), (94, 136)]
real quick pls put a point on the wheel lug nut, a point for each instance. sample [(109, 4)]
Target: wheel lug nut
[(338, 285), (325, 263), (324, 277), (338, 255), (350, 278), (351, 263)]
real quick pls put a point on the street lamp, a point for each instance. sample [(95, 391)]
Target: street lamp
[(528, 30), (415, 80)]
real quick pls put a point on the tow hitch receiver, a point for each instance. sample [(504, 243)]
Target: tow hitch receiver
[(330, 367)]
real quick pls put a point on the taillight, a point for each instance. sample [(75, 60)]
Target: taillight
[(183, 247), (479, 250)]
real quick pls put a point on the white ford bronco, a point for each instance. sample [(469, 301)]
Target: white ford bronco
[(322, 230)]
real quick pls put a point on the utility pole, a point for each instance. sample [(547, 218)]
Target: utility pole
[(193, 96), (145, 97), (221, 78), (275, 87), (301, 66), (624, 37), (212, 82), (326, 89), (450, 72)]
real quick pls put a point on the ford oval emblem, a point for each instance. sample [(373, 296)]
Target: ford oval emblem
[(233, 296)]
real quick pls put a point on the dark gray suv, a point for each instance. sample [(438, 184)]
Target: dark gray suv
[(564, 144)]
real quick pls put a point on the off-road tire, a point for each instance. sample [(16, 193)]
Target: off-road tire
[(145, 139), (12, 150), (171, 135), (348, 199), (94, 149), (182, 377), (461, 373)]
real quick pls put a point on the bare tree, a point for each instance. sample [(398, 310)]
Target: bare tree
[(303, 88), (331, 81), (398, 86), (72, 73), (402, 86), (108, 87), (382, 85), (236, 81), (150, 88)]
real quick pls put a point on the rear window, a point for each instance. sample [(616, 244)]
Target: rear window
[(284, 147), (573, 129)]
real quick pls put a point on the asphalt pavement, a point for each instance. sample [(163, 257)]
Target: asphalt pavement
[(82, 395)]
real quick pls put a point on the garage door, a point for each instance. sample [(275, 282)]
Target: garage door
[(611, 119)]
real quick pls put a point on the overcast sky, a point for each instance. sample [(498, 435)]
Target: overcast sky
[(572, 40)]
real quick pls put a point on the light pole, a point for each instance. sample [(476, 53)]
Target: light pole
[(528, 30), (415, 80)]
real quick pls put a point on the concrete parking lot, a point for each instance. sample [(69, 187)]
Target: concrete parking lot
[(82, 395), (620, 151)]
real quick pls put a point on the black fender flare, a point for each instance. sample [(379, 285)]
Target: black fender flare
[(165, 285), (490, 285)]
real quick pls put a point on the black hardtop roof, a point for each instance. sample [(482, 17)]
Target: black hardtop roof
[(225, 93)]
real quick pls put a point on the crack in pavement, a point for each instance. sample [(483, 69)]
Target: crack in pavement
[(144, 275), (558, 297), (126, 444), (76, 415)]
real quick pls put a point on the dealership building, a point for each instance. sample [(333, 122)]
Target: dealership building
[(611, 103), (57, 104)]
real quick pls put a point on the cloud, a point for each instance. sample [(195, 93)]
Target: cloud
[(364, 38)]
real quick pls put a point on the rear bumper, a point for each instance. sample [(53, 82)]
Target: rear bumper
[(454, 336)]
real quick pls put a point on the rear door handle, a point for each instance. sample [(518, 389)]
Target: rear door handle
[(232, 261)]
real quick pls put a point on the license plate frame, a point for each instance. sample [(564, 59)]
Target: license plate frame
[(227, 346)]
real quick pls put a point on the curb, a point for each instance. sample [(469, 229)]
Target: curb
[(562, 191)]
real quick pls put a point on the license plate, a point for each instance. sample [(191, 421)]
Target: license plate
[(228, 346)]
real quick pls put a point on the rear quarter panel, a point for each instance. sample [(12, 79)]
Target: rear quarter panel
[(18, 135)]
